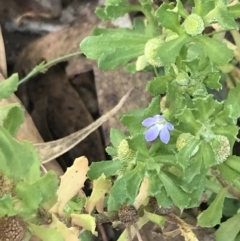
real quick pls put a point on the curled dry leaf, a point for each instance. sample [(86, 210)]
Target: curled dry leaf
[(71, 182), (185, 229), (143, 193), (50, 150), (100, 187), (68, 234)]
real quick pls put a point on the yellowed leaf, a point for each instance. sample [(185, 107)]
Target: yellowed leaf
[(100, 205), (86, 221), (71, 182), (159, 220), (100, 187), (143, 193), (185, 229), (68, 234)]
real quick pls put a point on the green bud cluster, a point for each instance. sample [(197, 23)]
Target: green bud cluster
[(150, 51), (183, 140), (125, 153), (224, 150), (193, 25), (6, 185)]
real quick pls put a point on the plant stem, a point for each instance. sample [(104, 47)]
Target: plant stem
[(232, 190), (42, 67)]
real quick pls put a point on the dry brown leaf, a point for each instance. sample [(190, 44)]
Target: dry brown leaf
[(185, 229), (143, 193), (71, 182), (68, 234), (50, 150)]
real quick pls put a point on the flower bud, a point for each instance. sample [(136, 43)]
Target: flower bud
[(150, 51), (183, 140), (125, 153), (6, 185), (193, 25), (128, 215), (223, 151)]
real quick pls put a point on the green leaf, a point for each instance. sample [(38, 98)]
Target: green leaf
[(132, 122), (26, 192), (217, 51), (114, 47), (234, 163), (47, 186), (46, 234), (167, 18), (168, 51), (212, 216), (8, 86), (202, 7), (126, 188), (234, 10), (153, 108), (179, 197), (158, 85), (138, 143), (12, 116), (213, 81), (188, 119), (221, 14), (156, 189), (16, 160), (157, 219), (164, 199), (194, 167), (7, 206), (207, 154), (112, 151), (202, 112), (184, 155), (85, 236), (233, 100), (229, 229), (228, 173), (108, 168), (116, 136), (112, 11)]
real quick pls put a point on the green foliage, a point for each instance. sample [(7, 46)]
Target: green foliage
[(178, 171), (212, 216)]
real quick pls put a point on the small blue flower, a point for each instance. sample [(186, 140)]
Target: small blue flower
[(158, 127)]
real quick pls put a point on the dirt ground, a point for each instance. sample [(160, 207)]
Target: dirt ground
[(71, 94)]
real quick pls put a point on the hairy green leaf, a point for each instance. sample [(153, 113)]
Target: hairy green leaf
[(8, 86), (212, 216), (108, 168)]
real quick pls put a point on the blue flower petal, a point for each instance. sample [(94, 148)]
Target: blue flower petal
[(152, 133), (150, 121), (170, 126), (165, 135)]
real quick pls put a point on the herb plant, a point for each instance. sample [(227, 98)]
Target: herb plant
[(175, 153)]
